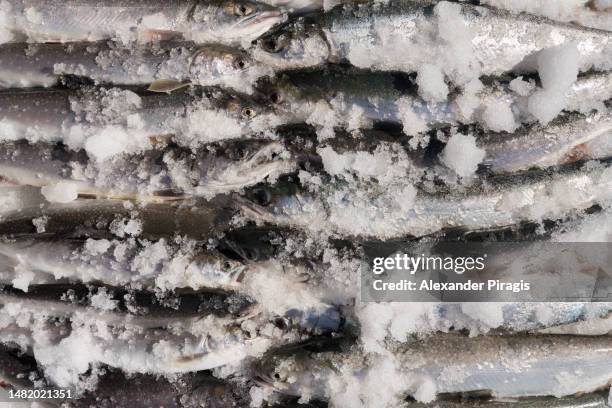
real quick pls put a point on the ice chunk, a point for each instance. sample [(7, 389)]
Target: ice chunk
[(462, 155), (468, 101), (412, 123), (498, 117), (558, 69), (6, 20), (522, 87), (545, 105), (430, 81), (426, 392), (62, 192), (103, 300), (40, 223), (558, 66)]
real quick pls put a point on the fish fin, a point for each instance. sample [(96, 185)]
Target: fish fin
[(167, 85)]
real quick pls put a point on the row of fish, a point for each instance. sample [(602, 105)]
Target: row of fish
[(197, 184)]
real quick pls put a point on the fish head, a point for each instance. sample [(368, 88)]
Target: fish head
[(282, 204), (237, 20), (219, 264), (282, 96), (246, 163), (251, 112), (224, 66), (292, 368), (298, 44)]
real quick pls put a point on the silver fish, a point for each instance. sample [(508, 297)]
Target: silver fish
[(501, 366), (109, 218), (370, 35), (78, 116), (140, 309), (335, 209), (569, 138), (158, 174), (161, 264), (150, 344), (593, 400), (359, 98), (165, 66), (191, 390), (49, 260), (229, 22)]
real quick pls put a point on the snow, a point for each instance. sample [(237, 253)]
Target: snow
[(522, 87), (462, 155), (412, 123), (469, 100), (6, 20), (558, 69), (376, 191), (499, 117), (103, 300), (40, 223), (62, 192), (567, 10), (430, 81), (426, 392)]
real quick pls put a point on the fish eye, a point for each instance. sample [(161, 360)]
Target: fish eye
[(240, 63), (275, 44), (239, 152), (226, 265), (248, 112), (242, 9), (251, 254), (283, 324), (262, 197), (275, 97)]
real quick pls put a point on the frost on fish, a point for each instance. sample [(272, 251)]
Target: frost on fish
[(107, 122), (154, 339), (335, 209), (128, 21), (462, 40), (165, 66), (169, 173), (500, 366), (358, 99)]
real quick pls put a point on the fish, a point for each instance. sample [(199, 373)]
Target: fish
[(190, 390), (569, 138), (164, 67), (115, 388), (592, 400), (361, 99), (228, 22), (333, 210), (157, 174), (109, 218), (500, 367), (161, 264), (368, 35), (86, 117), (133, 343), (118, 306)]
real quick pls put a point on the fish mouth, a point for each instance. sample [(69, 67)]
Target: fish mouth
[(248, 207)]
